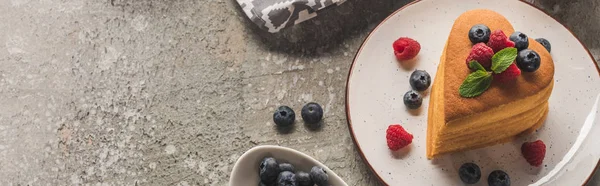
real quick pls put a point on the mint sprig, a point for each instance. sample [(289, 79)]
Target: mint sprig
[(475, 65), (475, 84), (479, 81), (503, 58)]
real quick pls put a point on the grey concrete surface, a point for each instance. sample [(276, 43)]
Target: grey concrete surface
[(159, 92)]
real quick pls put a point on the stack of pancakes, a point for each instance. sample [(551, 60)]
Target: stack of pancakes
[(457, 123)]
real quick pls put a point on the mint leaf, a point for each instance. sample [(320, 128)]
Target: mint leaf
[(503, 58), (476, 65), (475, 84)]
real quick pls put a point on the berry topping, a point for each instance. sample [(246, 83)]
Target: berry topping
[(544, 43), (498, 178), (286, 178), (534, 152), (397, 137), (508, 75), (499, 41), (482, 54), (420, 80), (269, 169), (284, 116), (469, 173), (312, 114), (479, 34), (303, 179), (520, 39), (412, 99), (528, 60), (286, 167), (319, 176), (406, 48)]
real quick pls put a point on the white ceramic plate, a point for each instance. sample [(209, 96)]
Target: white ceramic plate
[(245, 170), (376, 84)]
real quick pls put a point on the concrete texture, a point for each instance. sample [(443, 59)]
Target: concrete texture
[(152, 92)]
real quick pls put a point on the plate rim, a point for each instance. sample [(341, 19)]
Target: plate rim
[(347, 108)]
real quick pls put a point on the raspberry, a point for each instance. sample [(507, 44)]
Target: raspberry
[(499, 41), (397, 137), (510, 74), (406, 48), (534, 152), (482, 54)]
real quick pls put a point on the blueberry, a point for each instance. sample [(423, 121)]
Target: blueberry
[(469, 173), (498, 178), (262, 184), (286, 167), (479, 33), (284, 116), (528, 60), (412, 99), (521, 40), (303, 179), (286, 178), (312, 114), (544, 43), (269, 169), (319, 176), (420, 80)]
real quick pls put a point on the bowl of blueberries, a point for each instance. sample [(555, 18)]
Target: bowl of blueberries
[(270, 165)]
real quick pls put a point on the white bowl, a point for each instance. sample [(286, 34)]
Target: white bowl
[(245, 170)]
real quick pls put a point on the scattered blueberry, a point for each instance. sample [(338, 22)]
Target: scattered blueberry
[(319, 176), (420, 80), (528, 60), (262, 184), (312, 114), (286, 178), (286, 167), (479, 33), (498, 178), (469, 173), (269, 169), (520, 39), (303, 179), (544, 43), (284, 116), (412, 99)]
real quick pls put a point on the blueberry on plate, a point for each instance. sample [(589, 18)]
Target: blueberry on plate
[(498, 178), (319, 176), (479, 33), (312, 113), (412, 99), (269, 169), (544, 43), (420, 80), (528, 60), (286, 178), (286, 167), (303, 179), (469, 173), (521, 40), (284, 116)]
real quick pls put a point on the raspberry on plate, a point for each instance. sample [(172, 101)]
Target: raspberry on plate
[(534, 152), (482, 54), (508, 75), (397, 137), (499, 41), (406, 48)]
